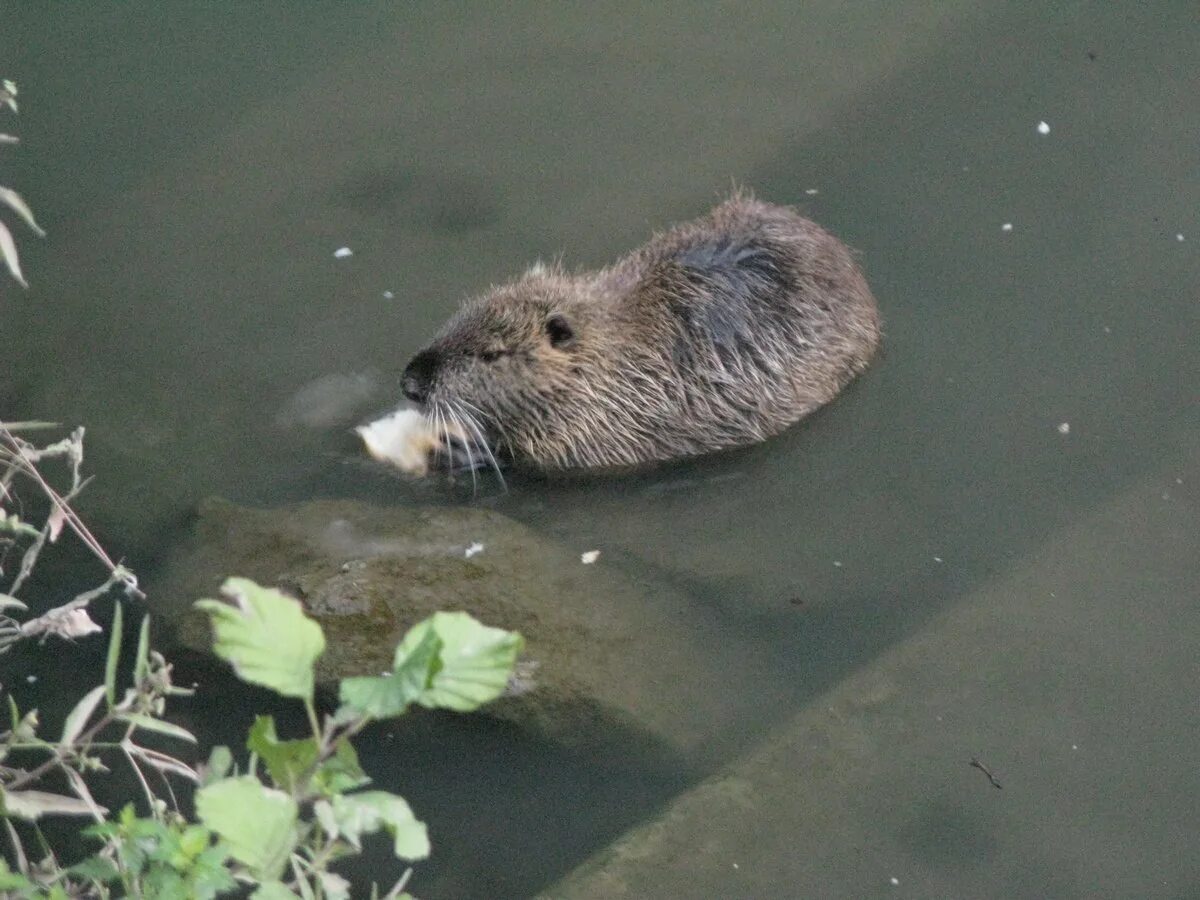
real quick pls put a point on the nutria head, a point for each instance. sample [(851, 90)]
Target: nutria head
[(512, 368)]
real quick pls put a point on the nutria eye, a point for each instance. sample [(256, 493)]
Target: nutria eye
[(490, 355), (558, 329)]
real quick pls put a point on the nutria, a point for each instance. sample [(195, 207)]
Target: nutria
[(717, 333)]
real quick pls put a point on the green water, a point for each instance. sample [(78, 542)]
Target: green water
[(197, 166)]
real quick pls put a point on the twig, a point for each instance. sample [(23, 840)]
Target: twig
[(975, 763), (73, 449), (150, 797), (18, 850)]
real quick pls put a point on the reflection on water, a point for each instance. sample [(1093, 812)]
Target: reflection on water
[(198, 175)]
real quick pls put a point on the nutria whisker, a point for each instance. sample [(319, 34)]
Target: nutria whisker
[(468, 440), (467, 420), (466, 445), (476, 414), (443, 435)]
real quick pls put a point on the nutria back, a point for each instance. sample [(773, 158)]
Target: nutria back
[(715, 334)]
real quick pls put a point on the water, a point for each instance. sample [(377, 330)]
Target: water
[(197, 169)]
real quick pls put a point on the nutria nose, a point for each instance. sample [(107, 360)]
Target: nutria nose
[(418, 376)]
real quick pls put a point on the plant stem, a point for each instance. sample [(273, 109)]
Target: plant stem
[(84, 740), (313, 722)]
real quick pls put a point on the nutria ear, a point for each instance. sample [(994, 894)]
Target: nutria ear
[(560, 332)]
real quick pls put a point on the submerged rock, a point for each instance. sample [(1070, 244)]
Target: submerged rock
[(599, 648)]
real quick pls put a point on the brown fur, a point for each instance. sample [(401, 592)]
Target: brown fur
[(715, 334)]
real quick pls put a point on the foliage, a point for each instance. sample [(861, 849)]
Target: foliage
[(294, 808), (11, 199), (277, 823)]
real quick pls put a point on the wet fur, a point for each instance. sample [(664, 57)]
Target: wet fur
[(715, 334)]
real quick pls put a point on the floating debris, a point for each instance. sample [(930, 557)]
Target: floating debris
[(1043, 128), (388, 295), (1179, 237), (473, 550), (812, 192), (976, 764), (589, 557), (1064, 428), (894, 881), (938, 559), (342, 252), (1007, 226)]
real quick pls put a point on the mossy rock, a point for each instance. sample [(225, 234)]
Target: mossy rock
[(368, 573)]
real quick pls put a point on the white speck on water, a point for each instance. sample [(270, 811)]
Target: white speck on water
[(589, 557), (1179, 237), (1166, 496), (938, 559), (735, 865), (1064, 428), (894, 881), (1043, 128), (31, 678), (812, 192), (1007, 226), (1179, 481), (388, 295), (342, 252), (1107, 330), (837, 563), (474, 549)]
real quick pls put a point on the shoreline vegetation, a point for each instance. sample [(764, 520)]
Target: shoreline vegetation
[(276, 818)]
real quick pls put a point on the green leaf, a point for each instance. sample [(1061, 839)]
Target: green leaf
[(141, 661), (114, 656), (475, 661), (149, 723), (95, 868), (273, 890), (341, 772), (365, 813), (12, 881), (286, 761), (210, 876), (335, 886), (381, 697), (7, 601), (448, 661), (32, 805), (11, 523), (79, 716), (266, 636), (220, 761), (257, 823), (8, 250), (17, 204)]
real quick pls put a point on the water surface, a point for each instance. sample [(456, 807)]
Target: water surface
[(198, 167)]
